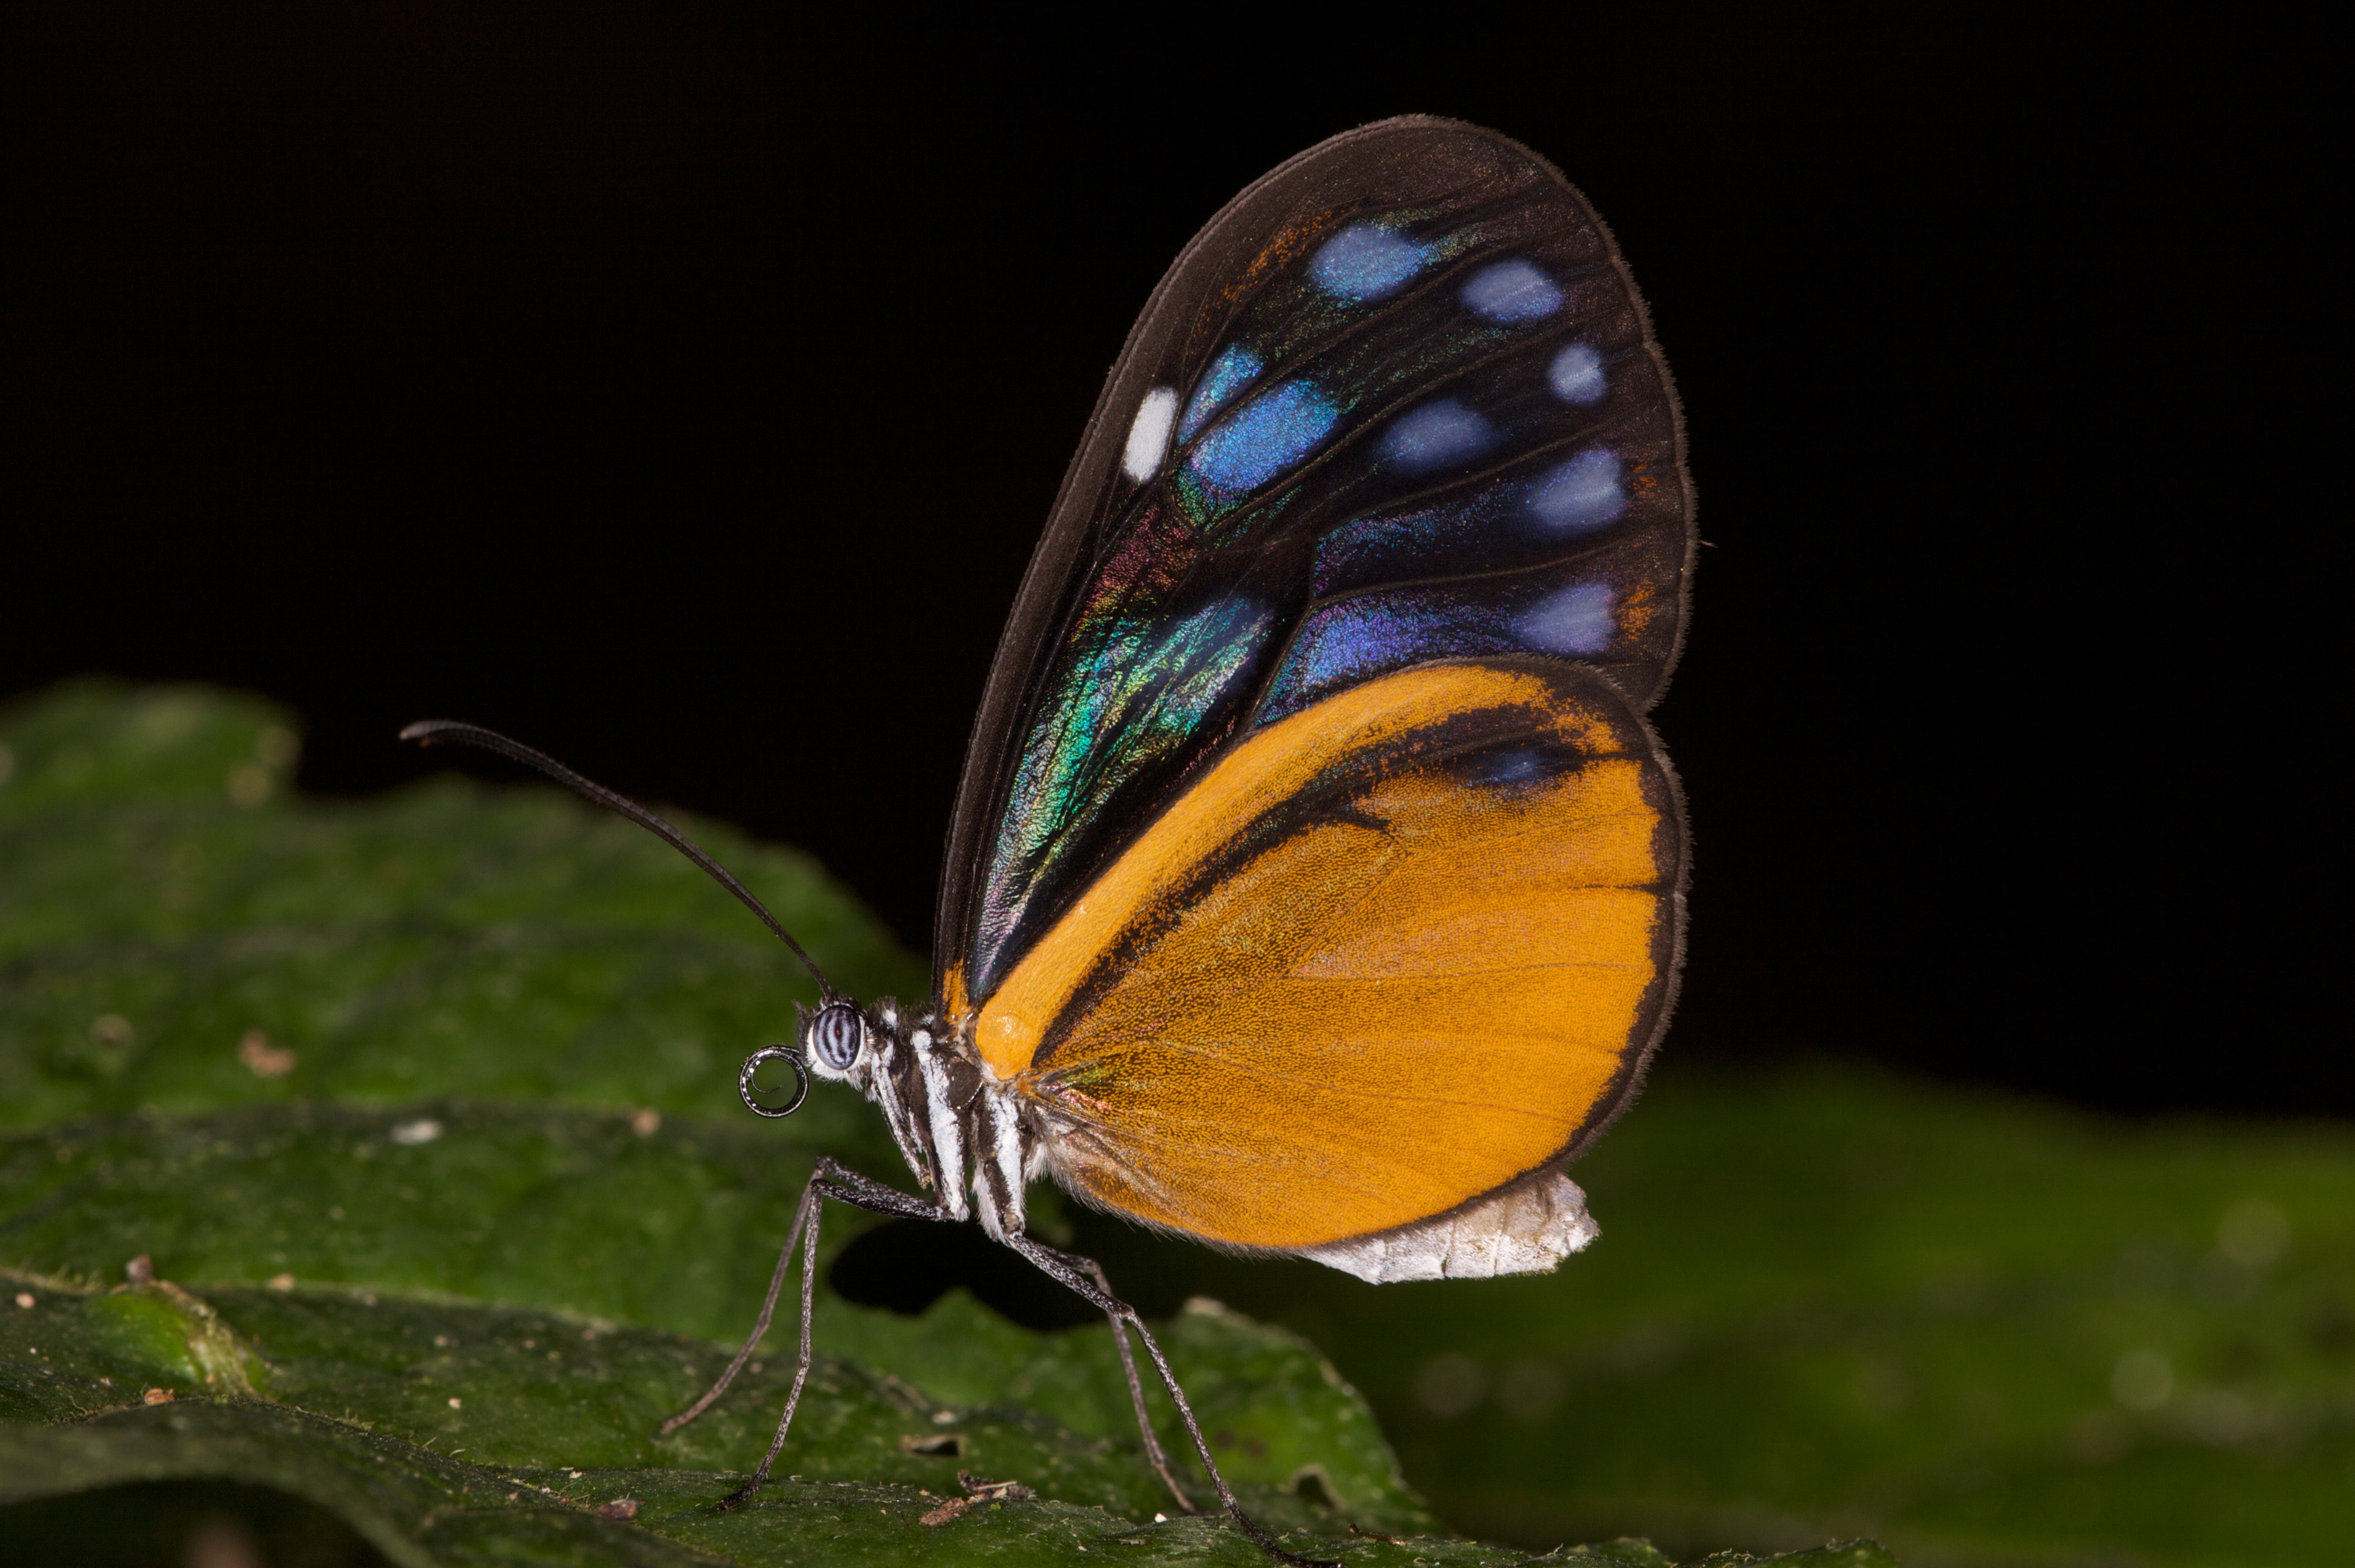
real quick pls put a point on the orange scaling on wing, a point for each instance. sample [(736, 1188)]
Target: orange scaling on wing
[(1416, 995)]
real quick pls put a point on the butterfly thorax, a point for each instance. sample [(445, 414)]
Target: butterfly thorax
[(947, 1112)]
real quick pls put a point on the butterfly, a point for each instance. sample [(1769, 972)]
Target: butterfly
[(1314, 885)]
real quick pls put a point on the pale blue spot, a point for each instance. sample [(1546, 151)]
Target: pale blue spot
[(1365, 261), (1435, 436), (1577, 620), (1581, 494), (1234, 369), (1511, 291), (1576, 375), (1264, 437)]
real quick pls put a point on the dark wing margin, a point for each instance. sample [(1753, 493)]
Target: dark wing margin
[(1398, 401)]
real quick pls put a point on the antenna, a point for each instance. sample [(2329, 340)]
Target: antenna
[(438, 731)]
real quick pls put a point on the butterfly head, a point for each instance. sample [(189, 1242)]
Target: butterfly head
[(838, 1040)]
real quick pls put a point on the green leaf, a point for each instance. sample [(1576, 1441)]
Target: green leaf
[(631, 1238), (524, 1397), (1825, 1303), (447, 941), (423, 1111)]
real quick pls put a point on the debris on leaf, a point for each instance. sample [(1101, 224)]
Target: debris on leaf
[(263, 1058), (977, 1492), (994, 1491)]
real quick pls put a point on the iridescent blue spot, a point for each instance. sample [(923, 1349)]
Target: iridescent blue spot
[(1576, 375), (1384, 547), (1581, 494), (1349, 640), (1365, 261), (1364, 637), (1577, 620), (1264, 437), (1511, 291), (1437, 435), (1229, 373)]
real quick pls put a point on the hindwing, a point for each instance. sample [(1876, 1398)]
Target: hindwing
[(1389, 955)]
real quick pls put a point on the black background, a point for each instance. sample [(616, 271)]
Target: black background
[(682, 388)]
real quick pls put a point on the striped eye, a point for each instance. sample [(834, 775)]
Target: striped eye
[(834, 1034)]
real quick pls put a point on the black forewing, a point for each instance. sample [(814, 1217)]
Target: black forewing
[(1398, 401)]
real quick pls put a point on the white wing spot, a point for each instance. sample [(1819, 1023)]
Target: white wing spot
[(1149, 438)]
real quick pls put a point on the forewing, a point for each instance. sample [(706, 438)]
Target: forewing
[(1387, 956), (1398, 402)]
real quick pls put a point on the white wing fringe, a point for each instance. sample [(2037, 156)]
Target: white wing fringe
[(1528, 1230)]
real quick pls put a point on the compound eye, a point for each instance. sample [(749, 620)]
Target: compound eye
[(835, 1035)]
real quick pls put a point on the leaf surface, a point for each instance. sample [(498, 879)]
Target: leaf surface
[(423, 1110)]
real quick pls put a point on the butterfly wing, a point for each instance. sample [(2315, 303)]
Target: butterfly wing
[(1391, 953), (1397, 403)]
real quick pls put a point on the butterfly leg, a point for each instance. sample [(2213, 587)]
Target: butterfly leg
[(805, 1220), (761, 1326), (1084, 1279), (827, 1181), (879, 1198), (1135, 1387)]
